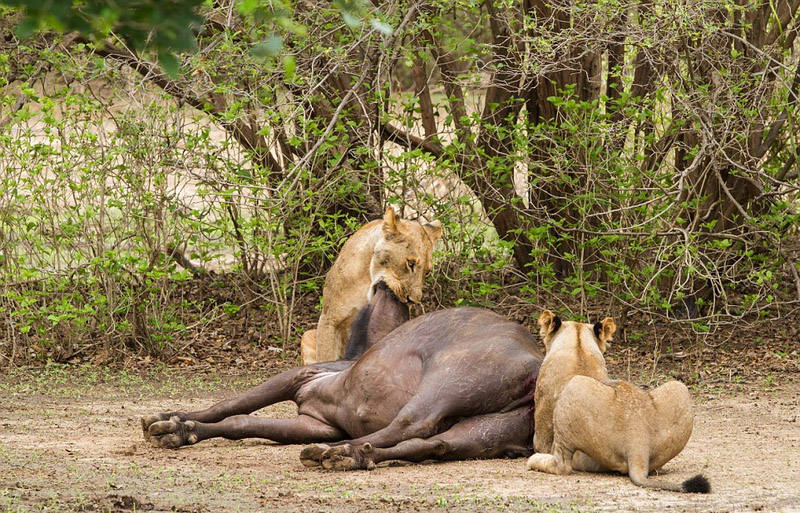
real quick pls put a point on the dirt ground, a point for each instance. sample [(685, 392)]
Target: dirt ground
[(70, 441)]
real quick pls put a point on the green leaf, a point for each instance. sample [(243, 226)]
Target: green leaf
[(351, 19), (169, 63), (269, 48), (555, 100), (247, 7), (383, 28), (289, 66), (26, 27)]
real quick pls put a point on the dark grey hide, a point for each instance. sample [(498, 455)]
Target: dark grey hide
[(451, 384)]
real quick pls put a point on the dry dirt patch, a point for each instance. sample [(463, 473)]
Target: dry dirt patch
[(74, 447)]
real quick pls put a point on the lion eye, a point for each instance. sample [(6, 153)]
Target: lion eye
[(411, 264)]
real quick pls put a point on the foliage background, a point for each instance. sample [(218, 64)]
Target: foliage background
[(623, 157)]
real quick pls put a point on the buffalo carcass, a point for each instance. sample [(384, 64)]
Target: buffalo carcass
[(452, 384)]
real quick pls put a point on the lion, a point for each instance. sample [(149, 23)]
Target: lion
[(392, 250), (584, 421)]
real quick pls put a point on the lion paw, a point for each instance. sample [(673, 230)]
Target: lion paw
[(171, 433), (539, 461), (549, 463)]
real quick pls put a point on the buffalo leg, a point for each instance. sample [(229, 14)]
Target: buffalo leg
[(487, 436), (417, 419), (283, 387), (174, 433)]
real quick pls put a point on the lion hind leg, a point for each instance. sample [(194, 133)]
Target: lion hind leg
[(582, 462)]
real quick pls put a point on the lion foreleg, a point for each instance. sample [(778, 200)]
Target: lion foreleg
[(326, 335), (560, 462), (308, 347), (331, 338)]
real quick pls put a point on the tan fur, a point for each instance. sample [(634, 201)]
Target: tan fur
[(393, 250), (584, 421), (565, 358)]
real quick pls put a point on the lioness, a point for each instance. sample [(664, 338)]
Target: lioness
[(392, 250), (587, 422)]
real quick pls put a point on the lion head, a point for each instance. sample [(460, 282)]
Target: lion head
[(551, 327), (403, 256)]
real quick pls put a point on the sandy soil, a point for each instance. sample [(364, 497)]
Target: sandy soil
[(80, 448)]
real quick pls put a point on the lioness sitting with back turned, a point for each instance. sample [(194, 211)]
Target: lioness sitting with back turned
[(392, 250), (584, 421)]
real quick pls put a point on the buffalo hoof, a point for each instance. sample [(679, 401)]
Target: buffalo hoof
[(149, 420), (311, 456), (347, 457), (171, 433)]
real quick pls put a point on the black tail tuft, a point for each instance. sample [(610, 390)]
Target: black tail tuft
[(697, 484)]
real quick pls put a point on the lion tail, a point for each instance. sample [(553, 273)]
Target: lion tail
[(696, 484)]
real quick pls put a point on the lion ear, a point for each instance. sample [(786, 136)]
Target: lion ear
[(604, 330), (434, 230), (389, 220), (549, 323)]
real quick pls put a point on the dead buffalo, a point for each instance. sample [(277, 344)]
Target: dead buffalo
[(452, 384)]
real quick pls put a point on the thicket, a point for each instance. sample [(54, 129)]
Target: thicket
[(611, 155)]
